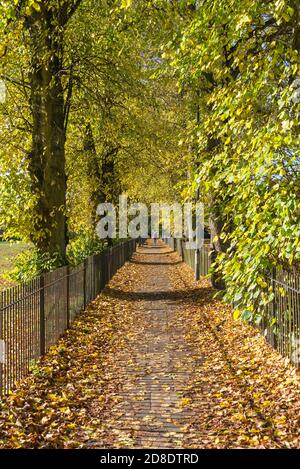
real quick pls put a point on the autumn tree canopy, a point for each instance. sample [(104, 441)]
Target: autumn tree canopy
[(162, 100)]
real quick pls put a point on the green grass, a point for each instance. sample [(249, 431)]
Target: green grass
[(8, 253)]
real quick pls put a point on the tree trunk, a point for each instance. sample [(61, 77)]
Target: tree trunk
[(217, 245), (110, 187), (296, 26), (93, 172), (217, 222), (47, 156)]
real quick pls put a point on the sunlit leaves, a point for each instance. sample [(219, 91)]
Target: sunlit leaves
[(240, 61), (126, 3)]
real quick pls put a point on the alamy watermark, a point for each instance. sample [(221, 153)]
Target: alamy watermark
[(2, 92), (139, 220), (2, 351)]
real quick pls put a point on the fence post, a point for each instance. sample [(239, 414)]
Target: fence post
[(110, 264), (197, 264), (42, 316), (105, 268), (274, 336), (95, 276), (68, 295), (84, 282), (2, 351)]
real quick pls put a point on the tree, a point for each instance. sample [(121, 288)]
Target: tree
[(243, 58), (46, 24)]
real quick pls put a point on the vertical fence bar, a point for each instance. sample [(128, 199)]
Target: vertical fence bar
[(94, 277), (197, 264), (274, 309), (68, 296), (84, 282), (42, 316), (2, 345)]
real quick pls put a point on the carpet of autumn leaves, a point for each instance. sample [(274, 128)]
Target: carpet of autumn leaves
[(52, 407), (241, 393), (244, 395)]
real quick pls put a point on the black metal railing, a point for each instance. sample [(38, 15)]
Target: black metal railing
[(281, 322), (35, 314), (193, 259)]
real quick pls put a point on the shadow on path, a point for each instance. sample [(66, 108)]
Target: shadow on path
[(182, 295), (154, 253), (155, 263)]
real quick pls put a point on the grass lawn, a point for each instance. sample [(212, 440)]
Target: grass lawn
[(8, 254)]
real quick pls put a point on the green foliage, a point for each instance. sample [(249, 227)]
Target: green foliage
[(238, 62), (112, 83), (38, 371), (30, 264), (82, 246), (176, 97)]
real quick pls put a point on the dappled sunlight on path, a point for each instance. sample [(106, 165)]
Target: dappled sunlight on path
[(157, 362)]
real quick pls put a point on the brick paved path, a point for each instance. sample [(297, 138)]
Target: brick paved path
[(155, 374), (179, 379), (156, 362)]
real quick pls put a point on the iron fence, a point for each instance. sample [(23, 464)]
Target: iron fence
[(199, 261), (280, 320), (35, 314)]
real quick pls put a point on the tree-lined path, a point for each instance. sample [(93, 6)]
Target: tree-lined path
[(167, 103), (156, 361)]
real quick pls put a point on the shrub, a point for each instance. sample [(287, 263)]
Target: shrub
[(31, 263)]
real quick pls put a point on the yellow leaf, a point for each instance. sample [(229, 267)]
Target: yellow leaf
[(236, 314), (126, 3), (185, 401)]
